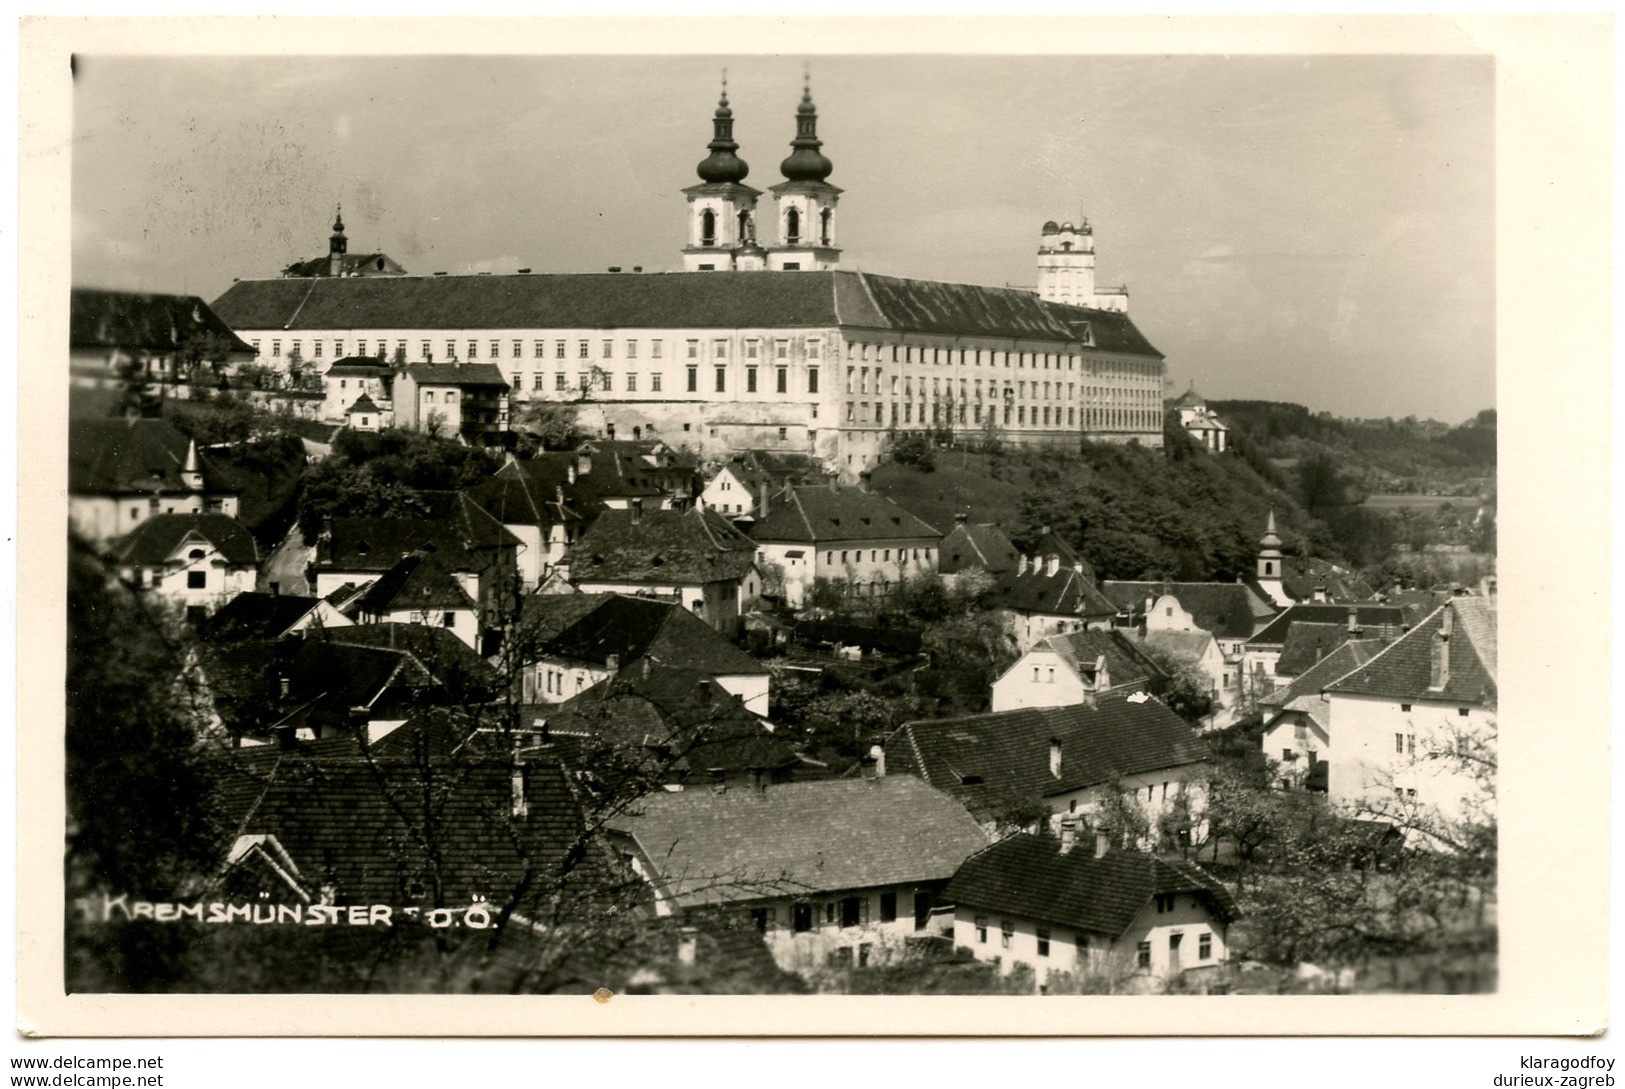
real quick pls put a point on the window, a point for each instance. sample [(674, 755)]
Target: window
[(609, 381), (609, 349), (1399, 743), (829, 912), (762, 919), (558, 381), (558, 349), (276, 348), (750, 380), (1204, 947), (801, 918), (336, 349), (197, 580), (1463, 711), (255, 344), (855, 911), (1142, 956), (981, 929), (540, 349), (781, 349), (631, 383), (473, 349), (536, 381), (657, 349), (812, 379), (451, 349), (428, 397), (1166, 902), (1043, 941), (722, 379), (654, 382), (631, 349), (784, 433), (448, 620), (425, 350), (888, 907), (1405, 707), (1006, 929)]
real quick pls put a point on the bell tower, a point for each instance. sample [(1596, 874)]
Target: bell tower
[(1269, 552), (806, 200), (337, 244), (721, 209)]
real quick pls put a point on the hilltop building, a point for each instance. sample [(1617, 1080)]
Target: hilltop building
[(828, 362), (340, 262), (1201, 422)]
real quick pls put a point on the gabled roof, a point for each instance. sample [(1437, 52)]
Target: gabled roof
[(1404, 669), (536, 492), (153, 323), (1308, 642), (450, 524), (1192, 643), (131, 456), (418, 580), (718, 300), (633, 628), (1367, 617), (357, 825), (364, 403), (358, 366), (1068, 592), (1342, 660), (462, 375), (256, 616), (1126, 665), (801, 838), (155, 541), (450, 660), (978, 545), (1303, 577), (830, 512), (989, 760), (1227, 610), (691, 547), (1028, 876)]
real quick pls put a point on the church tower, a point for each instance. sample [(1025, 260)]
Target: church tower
[(337, 245), (1269, 553), (1066, 268), (806, 200), (721, 209)]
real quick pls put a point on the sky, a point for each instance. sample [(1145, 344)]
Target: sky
[(1316, 228)]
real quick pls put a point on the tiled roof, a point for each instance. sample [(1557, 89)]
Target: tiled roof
[(1345, 658), (1028, 876), (1228, 610), (1404, 669), (464, 375), (364, 403), (1307, 642), (450, 524), (1302, 577), (358, 366), (988, 760), (791, 838), (829, 512), (1126, 665), (350, 264), (1192, 643), (1068, 592), (418, 580), (155, 541), (634, 627), (360, 825), (691, 547), (717, 300), (1368, 617), (630, 468), (155, 323), (256, 616), (122, 456), (536, 492), (441, 652), (976, 545)]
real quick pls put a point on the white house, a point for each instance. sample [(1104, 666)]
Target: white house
[(859, 540), (1201, 422), (1066, 669), (1069, 907), (122, 471), (198, 561)]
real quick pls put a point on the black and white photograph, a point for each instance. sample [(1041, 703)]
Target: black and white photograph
[(785, 522)]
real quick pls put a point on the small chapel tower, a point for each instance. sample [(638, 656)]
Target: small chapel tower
[(1269, 552), (722, 209), (806, 200), (1066, 268), (337, 245)]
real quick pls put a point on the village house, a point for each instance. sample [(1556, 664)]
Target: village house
[(542, 503), (694, 557), (1025, 768), (620, 472), (166, 338), (1400, 721), (1072, 909), (573, 642), (422, 588), (1298, 719), (1262, 654), (857, 540), (976, 547), (1201, 422), (835, 873), (1052, 592), (743, 483), (124, 470), (197, 561), (352, 378), (455, 400), (1066, 669)]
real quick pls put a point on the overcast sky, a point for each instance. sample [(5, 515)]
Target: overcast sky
[(1317, 229)]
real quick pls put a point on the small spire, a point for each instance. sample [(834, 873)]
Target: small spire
[(338, 219), (191, 457)]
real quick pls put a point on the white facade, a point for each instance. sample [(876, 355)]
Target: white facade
[(720, 604), (858, 927), (195, 575), (1066, 268), (871, 568), (109, 517), (727, 494), (1383, 749), (1040, 678)]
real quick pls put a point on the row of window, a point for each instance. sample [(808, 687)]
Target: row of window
[(754, 348), (943, 414), (850, 911), (880, 555), (859, 377)]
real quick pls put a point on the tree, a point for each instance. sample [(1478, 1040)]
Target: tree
[(555, 423), (916, 451), (1189, 692)]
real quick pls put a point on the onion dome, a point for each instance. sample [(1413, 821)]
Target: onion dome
[(1052, 227), (806, 163), (336, 242), (722, 165)]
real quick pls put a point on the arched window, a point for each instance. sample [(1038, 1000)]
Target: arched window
[(708, 228), (195, 554), (823, 227), (744, 226), (792, 225)]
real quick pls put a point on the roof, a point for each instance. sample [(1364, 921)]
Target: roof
[(976, 545), (830, 512), (535, 492), (718, 300), (1191, 643), (1342, 660), (118, 456), (1029, 876), (364, 403), (628, 469), (1367, 617), (1303, 577), (358, 366), (350, 264), (1404, 668), (1228, 610), (989, 760), (1126, 665), (451, 524), (440, 651), (155, 541), (154, 323), (634, 627), (356, 824), (1068, 592), (464, 375), (257, 616), (418, 580), (1307, 642), (821, 836), (691, 547)]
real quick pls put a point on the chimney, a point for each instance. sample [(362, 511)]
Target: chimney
[(283, 684), (704, 690), (1354, 622), (1069, 833), (961, 519), (762, 504), (583, 464), (647, 667), (613, 664), (1021, 568), (1439, 674), (637, 511), (1055, 757), (518, 782), (570, 471), (1052, 564), (877, 753), (1103, 677), (1103, 843)]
